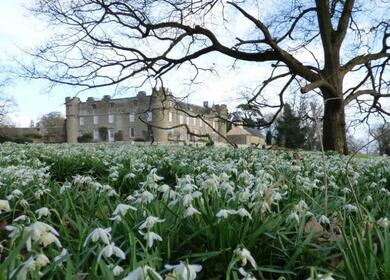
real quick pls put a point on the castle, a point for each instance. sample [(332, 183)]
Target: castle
[(158, 117)]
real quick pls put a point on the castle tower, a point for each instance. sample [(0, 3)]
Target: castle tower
[(222, 113), (159, 105), (72, 119)]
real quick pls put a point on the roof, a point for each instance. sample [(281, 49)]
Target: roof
[(241, 130)]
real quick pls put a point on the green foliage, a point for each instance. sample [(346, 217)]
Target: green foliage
[(289, 131), (85, 138), (103, 133), (82, 186)]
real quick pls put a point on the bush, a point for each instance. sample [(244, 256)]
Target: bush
[(119, 136), (85, 138)]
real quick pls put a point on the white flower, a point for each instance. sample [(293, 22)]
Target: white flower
[(247, 276), (22, 218), (117, 270), (245, 256), (327, 276), (110, 250), (383, 222), (292, 217), (350, 208), (14, 193), (150, 237), (25, 268), (4, 206), (60, 258), (150, 222), (99, 233), (190, 211), (345, 190), (41, 232), (44, 211), (41, 260), (323, 220), (122, 209), (65, 187), (116, 218), (24, 203), (146, 197), (224, 213), (244, 213), (184, 271), (143, 273), (301, 206)]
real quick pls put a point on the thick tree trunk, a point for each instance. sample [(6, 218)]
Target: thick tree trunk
[(334, 130)]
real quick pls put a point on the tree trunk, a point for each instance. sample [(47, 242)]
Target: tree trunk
[(334, 130)]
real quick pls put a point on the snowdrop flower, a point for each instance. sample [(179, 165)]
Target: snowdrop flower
[(4, 206), (143, 273), (24, 203), (224, 213), (41, 260), (65, 187), (247, 276), (322, 277), (44, 211), (184, 271), (150, 222), (368, 199), (164, 188), (14, 231), (146, 197), (60, 258), (383, 222), (99, 233), (323, 220), (190, 211), (345, 190), (301, 206), (292, 217), (244, 213), (43, 233), (22, 218), (116, 218), (150, 237), (117, 270), (350, 208), (245, 256), (25, 268), (154, 176), (122, 209), (110, 250), (15, 193)]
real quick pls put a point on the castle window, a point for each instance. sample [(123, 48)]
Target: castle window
[(95, 119), (94, 106), (201, 123), (149, 117), (111, 135), (214, 125), (110, 118), (194, 121), (170, 133), (170, 116), (82, 120), (131, 117), (112, 104), (188, 120), (181, 119), (131, 132)]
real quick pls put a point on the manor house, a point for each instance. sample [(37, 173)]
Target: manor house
[(158, 117)]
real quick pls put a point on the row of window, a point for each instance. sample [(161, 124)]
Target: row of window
[(149, 118)]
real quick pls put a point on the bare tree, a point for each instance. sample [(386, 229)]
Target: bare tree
[(319, 46)]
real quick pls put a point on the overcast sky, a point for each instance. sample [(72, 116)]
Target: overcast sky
[(20, 31)]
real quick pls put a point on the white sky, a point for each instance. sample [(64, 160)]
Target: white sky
[(19, 30)]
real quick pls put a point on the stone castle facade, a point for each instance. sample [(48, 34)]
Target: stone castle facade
[(157, 117)]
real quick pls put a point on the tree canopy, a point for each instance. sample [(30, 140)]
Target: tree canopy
[(336, 49)]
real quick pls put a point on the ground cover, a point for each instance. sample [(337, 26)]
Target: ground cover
[(147, 212)]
